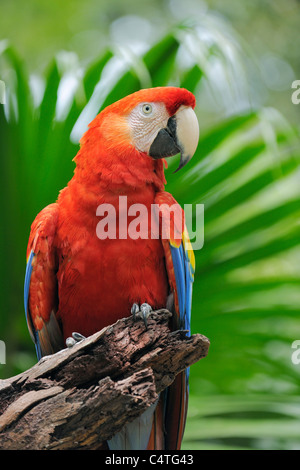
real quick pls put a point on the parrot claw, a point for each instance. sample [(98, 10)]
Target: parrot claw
[(143, 312), (146, 309), (134, 310), (75, 338)]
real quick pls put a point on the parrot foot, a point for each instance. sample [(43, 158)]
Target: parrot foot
[(74, 339), (143, 312)]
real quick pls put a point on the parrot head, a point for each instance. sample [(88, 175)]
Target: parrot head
[(151, 124)]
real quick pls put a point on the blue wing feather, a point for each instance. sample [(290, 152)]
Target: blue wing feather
[(184, 280), (180, 280), (27, 282), (27, 313)]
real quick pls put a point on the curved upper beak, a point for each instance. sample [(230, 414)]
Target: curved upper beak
[(181, 135)]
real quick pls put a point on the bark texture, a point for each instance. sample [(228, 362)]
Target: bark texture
[(80, 397)]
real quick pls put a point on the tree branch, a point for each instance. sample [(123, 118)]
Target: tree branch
[(80, 397)]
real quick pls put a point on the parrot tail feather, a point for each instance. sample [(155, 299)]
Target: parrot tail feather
[(134, 435)]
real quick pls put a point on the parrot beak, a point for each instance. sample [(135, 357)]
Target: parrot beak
[(180, 136)]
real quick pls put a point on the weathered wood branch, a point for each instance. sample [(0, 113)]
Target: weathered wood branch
[(80, 397)]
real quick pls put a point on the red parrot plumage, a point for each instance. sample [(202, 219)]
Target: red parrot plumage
[(76, 281)]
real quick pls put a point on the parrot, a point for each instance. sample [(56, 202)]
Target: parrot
[(76, 283)]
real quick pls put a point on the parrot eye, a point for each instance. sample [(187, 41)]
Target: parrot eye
[(147, 109)]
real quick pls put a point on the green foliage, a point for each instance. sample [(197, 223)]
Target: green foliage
[(246, 292)]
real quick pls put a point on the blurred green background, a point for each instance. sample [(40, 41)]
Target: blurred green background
[(62, 62)]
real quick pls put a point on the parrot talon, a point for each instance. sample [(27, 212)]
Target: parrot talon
[(142, 312), (76, 338), (134, 310), (146, 309), (70, 342)]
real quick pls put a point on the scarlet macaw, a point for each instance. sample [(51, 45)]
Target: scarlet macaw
[(76, 282)]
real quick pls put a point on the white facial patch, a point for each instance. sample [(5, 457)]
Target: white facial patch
[(145, 121)]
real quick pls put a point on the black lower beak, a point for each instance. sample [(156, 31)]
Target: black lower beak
[(165, 143)]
